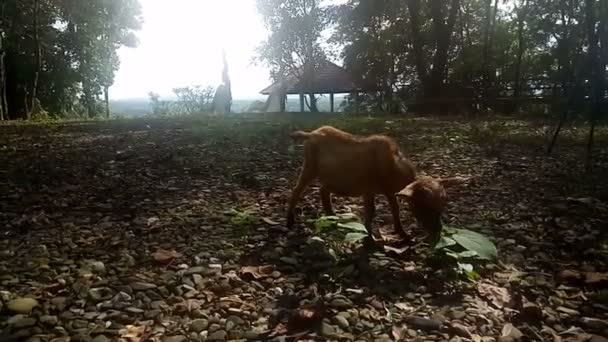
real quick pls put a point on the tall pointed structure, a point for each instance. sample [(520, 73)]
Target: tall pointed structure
[(222, 101)]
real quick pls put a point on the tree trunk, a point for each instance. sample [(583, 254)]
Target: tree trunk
[(597, 75), (521, 19), (37, 59), (489, 25), (3, 108), (417, 41), (313, 103), (106, 96)]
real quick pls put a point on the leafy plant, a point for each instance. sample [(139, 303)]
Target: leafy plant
[(345, 225), (465, 248), (241, 218)]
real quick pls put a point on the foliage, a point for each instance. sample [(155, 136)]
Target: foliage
[(465, 248), (78, 43), (242, 218), (190, 100)]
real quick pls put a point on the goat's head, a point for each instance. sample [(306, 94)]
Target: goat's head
[(427, 198)]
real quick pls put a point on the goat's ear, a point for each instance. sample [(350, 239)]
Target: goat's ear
[(407, 192), (452, 181)]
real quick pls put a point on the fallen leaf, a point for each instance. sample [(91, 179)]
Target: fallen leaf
[(257, 272), (404, 306), (133, 333), (270, 222), (165, 256), (508, 330), (567, 310), (399, 332), (499, 296)]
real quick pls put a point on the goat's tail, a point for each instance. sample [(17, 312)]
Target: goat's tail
[(300, 135)]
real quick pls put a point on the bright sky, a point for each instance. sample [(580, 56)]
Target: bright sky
[(181, 44)]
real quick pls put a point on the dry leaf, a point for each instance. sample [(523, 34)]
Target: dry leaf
[(499, 296), (133, 333), (257, 272), (270, 222), (165, 256), (404, 306), (508, 330), (399, 332)]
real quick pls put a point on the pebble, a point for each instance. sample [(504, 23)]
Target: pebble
[(141, 286), (20, 321), (199, 325), (423, 323), (48, 319), (22, 305), (342, 322), (289, 260), (460, 330), (175, 338), (595, 324), (327, 329), (101, 338), (219, 335)]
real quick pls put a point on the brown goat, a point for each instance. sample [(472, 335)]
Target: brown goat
[(353, 166)]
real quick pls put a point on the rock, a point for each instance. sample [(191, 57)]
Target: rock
[(175, 338), (97, 267), (198, 270), (21, 321), (101, 338), (49, 320), (289, 260), (423, 323), (327, 330), (236, 320), (341, 303), (22, 305), (141, 286), (458, 314), (197, 279), (342, 322), (460, 330), (595, 324), (199, 325), (251, 335), (219, 335), (100, 293)]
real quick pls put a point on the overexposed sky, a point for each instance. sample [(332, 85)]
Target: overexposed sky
[(181, 44)]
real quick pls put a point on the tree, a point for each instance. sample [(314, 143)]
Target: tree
[(58, 51), (293, 46)]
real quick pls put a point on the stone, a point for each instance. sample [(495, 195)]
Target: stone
[(175, 338), (342, 322), (219, 335), (22, 305), (97, 267), (199, 325), (289, 260), (141, 286), (460, 330), (423, 323), (327, 329), (49, 320), (100, 293), (21, 321), (101, 338)]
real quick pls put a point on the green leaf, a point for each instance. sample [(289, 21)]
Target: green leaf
[(321, 225), (353, 226), (354, 237), (452, 254), (346, 217), (468, 254), (473, 241), (465, 268), (445, 241)]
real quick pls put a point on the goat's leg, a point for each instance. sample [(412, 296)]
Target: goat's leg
[(306, 177), (394, 205), (326, 201)]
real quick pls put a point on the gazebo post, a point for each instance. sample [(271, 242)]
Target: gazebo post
[(331, 102), (301, 103)]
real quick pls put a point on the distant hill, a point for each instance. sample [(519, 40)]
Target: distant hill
[(136, 107)]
